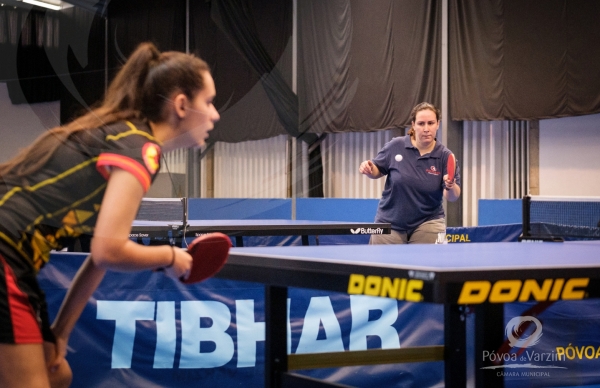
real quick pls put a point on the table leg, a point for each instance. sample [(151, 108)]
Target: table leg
[(304, 239), (239, 241), (455, 352), (276, 335), (489, 336)]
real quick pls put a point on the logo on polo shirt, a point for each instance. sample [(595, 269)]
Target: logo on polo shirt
[(433, 171)]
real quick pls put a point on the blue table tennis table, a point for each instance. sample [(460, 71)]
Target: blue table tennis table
[(164, 232), (483, 276)]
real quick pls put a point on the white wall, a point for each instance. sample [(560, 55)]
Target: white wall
[(252, 169), (570, 156), (21, 124)]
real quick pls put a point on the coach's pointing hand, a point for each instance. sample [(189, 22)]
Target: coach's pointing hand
[(369, 169)]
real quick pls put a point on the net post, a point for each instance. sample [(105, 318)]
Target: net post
[(184, 223), (525, 216), (184, 219)]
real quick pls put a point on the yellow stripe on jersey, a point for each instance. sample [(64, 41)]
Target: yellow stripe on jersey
[(48, 181), (66, 208), (133, 131), (16, 247)]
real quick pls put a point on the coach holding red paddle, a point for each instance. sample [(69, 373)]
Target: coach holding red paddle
[(89, 177), (420, 172)]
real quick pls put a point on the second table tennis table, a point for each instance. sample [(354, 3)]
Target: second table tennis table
[(172, 232)]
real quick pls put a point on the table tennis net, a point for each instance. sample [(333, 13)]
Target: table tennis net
[(566, 218), (162, 209)]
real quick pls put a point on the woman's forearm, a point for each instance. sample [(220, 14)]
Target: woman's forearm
[(452, 194), (84, 284)]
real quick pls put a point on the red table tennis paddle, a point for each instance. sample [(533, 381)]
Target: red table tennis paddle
[(209, 253), (451, 167)]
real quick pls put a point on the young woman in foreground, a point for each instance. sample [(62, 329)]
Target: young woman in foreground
[(89, 177)]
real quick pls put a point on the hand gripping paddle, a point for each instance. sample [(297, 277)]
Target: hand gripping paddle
[(451, 167), (209, 253)]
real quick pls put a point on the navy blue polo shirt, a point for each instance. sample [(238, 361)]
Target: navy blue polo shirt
[(414, 187)]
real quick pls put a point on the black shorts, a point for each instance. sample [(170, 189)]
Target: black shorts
[(23, 309)]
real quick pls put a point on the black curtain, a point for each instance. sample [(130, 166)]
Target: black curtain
[(363, 65), (80, 62), (234, 18), (26, 41), (51, 56), (132, 22), (523, 59), (248, 46)]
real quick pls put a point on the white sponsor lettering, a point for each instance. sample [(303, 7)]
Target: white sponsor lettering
[(210, 322), (192, 335), (363, 327), (319, 311), (166, 335), (249, 333), (125, 314), (367, 231)]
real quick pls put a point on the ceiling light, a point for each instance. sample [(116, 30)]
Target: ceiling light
[(51, 4)]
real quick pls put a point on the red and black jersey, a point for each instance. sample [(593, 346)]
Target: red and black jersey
[(62, 199)]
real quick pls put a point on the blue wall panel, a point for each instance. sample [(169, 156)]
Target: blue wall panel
[(500, 211)]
